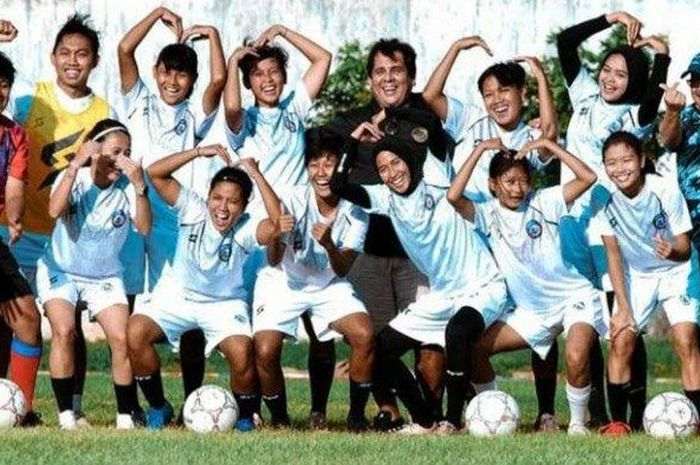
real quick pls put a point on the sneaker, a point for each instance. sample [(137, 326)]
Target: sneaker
[(125, 421), (577, 429), (318, 422), (31, 419), (546, 423), (445, 427), (244, 425), (616, 428), (385, 424), (414, 429), (159, 418), (81, 420), (357, 424), (67, 420)]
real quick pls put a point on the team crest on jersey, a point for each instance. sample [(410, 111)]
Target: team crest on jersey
[(118, 218), (429, 202), (192, 238), (224, 252), (181, 127), (659, 221), (290, 122), (533, 229)]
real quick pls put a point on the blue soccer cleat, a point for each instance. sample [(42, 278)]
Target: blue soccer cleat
[(159, 418), (245, 425)]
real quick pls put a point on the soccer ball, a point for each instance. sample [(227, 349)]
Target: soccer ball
[(670, 415), (491, 414), (13, 405), (210, 409)]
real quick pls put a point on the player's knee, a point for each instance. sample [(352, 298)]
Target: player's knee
[(576, 358), (135, 337), (362, 338), (118, 342), (622, 346), (267, 354)]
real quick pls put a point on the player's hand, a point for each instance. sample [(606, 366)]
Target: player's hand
[(632, 24), (379, 117), (367, 132), (537, 144), (87, 151), (285, 223), (656, 43), (662, 248), (214, 150), (532, 62), (239, 53), (249, 165), (673, 98), (8, 31), (269, 35), (465, 43), (492, 144), (172, 21), (198, 32), (15, 229), (621, 321), (132, 170), (322, 233)]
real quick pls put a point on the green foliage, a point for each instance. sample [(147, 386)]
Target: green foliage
[(346, 87)]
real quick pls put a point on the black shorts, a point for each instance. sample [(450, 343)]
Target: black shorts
[(12, 282)]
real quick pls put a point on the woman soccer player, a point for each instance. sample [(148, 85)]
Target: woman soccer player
[(94, 206), (646, 227), (522, 227)]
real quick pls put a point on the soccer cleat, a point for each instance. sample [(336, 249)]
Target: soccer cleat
[(445, 427), (577, 429), (67, 421), (31, 419), (159, 418), (414, 429), (244, 425), (546, 423), (125, 421), (616, 428), (357, 424), (383, 422), (81, 421), (318, 422)]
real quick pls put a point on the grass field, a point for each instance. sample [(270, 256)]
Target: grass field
[(103, 445)]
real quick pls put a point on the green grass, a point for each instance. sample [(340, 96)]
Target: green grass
[(104, 445)]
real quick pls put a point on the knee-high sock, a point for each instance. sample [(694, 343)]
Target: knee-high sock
[(24, 365), (638, 385), (192, 360), (545, 372), (321, 362), (596, 402)]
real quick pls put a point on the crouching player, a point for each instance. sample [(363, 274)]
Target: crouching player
[(204, 288), (522, 227), (94, 206), (328, 234), (465, 282), (645, 226)]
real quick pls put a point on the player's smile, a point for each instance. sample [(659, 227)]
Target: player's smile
[(624, 168), (503, 103), (267, 82), (320, 173), (225, 205), (389, 80), (73, 61), (393, 171), (613, 78), (174, 86)]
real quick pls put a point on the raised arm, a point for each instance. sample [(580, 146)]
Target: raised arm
[(653, 92), (59, 200), (548, 111), (340, 183), (433, 91), (233, 107), (217, 64), (14, 207), (320, 58), (670, 129), (161, 171), (134, 172), (128, 69)]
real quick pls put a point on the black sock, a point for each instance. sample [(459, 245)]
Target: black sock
[(277, 405), (638, 385), (247, 404), (618, 396), (321, 364), (152, 388), (63, 390), (359, 394), (456, 385), (134, 396), (434, 402), (596, 403), (192, 360), (694, 397), (124, 398), (545, 372)]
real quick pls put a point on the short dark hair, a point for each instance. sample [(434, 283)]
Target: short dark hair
[(179, 57), (248, 62), (7, 69), (103, 125), (505, 160), (389, 47), (79, 24), (321, 142), (507, 74), (236, 176)]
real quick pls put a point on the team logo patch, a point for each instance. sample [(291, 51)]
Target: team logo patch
[(419, 135), (106, 287), (118, 218), (192, 238), (580, 306), (259, 310), (181, 127), (613, 221), (290, 122), (533, 229), (224, 252), (428, 202), (53, 279), (239, 318), (684, 300), (659, 221)]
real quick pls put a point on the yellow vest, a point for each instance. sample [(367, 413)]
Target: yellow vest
[(54, 137)]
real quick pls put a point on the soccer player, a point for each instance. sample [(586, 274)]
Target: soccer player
[(73, 109), (93, 206), (522, 227), (623, 96), (166, 122), (438, 241), (645, 227), (204, 287), (17, 304), (310, 275)]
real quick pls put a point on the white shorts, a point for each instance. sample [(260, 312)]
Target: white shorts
[(278, 308), (175, 315), (540, 329), (675, 292), (98, 294), (425, 319)]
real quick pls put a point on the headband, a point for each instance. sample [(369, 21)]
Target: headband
[(110, 130)]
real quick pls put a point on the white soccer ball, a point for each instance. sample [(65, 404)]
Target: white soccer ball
[(13, 405), (491, 414), (210, 409), (670, 415)]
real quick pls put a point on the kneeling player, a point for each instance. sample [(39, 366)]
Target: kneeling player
[(522, 227), (328, 234), (204, 287), (646, 227)]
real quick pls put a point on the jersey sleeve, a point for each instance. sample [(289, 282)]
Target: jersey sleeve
[(301, 102), (189, 206), (677, 209), (20, 158), (204, 124), (483, 216), (550, 202), (132, 97), (246, 233), (378, 198), (456, 118), (236, 139), (355, 237), (583, 86), (22, 99)]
